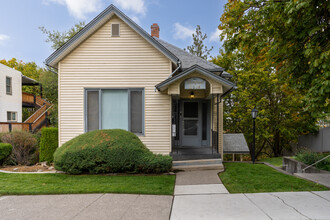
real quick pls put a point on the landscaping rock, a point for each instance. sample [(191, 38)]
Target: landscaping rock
[(40, 170), (44, 164), (50, 168)]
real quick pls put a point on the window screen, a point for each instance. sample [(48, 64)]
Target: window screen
[(8, 85), (115, 30), (136, 111), (92, 110)]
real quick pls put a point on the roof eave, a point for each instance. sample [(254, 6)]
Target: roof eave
[(188, 71)]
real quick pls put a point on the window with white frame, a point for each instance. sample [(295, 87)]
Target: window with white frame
[(115, 108), (8, 85), (11, 116)]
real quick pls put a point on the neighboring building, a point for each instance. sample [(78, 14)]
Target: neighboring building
[(10, 94), (113, 74), (12, 99)]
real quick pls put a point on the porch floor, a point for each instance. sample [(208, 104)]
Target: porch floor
[(194, 153)]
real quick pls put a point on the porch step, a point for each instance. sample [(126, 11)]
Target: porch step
[(207, 164)]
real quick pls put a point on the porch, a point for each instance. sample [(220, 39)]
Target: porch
[(197, 113)]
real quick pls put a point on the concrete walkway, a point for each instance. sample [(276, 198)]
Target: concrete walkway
[(207, 198), (85, 206), (321, 178)]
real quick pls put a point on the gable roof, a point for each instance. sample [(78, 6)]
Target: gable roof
[(188, 59), (227, 84), (96, 23), (235, 143)]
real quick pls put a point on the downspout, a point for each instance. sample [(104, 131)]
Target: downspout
[(179, 66)]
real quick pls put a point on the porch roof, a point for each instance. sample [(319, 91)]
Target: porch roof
[(235, 144), (227, 85)]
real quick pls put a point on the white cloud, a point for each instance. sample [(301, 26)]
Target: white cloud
[(136, 6), (215, 36), (79, 8), (182, 32), (3, 38)]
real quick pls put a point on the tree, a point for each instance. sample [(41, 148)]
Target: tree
[(281, 117), (198, 48), (293, 36), (58, 38)]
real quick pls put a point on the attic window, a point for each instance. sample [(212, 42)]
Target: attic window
[(115, 30)]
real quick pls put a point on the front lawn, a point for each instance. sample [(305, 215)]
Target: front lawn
[(33, 184), (254, 178), (276, 161)]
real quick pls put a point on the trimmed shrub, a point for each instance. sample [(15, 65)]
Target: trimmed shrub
[(24, 145), (5, 151), (109, 151), (48, 144)]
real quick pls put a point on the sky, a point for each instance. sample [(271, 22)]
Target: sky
[(21, 38)]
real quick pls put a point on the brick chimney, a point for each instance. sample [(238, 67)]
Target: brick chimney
[(155, 30)]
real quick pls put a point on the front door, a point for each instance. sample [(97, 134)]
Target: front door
[(191, 124)]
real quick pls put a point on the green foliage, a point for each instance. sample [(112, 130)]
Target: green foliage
[(29, 69), (255, 178), (48, 144), (24, 145), (49, 81), (109, 151), (309, 158), (291, 36), (58, 38), (198, 48), (5, 151), (281, 117), (36, 184)]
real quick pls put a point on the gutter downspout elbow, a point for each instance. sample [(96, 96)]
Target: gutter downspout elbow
[(179, 66)]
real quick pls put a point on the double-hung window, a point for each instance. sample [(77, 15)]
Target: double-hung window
[(115, 108), (11, 116), (8, 85)]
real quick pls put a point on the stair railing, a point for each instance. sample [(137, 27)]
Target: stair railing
[(303, 170)]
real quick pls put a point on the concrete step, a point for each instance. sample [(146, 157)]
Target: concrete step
[(206, 164)]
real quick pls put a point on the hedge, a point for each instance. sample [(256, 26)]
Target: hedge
[(109, 151), (48, 144), (5, 151)]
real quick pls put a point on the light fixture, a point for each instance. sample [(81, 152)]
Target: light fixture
[(254, 113), (192, 94)]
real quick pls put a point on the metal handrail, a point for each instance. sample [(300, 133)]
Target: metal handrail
[(303, 170)]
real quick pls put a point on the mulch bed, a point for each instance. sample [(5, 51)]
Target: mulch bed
[(33, 168)]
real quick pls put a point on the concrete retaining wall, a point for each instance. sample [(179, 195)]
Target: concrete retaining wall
[(319, 142), (293, 166)]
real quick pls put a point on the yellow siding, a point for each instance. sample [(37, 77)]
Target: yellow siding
[(127, 61)]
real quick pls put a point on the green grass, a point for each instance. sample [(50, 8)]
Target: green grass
[(33, 184), (254, 178), (276, 161)]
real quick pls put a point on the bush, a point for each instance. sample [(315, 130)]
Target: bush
[(109, 151), (24, 146), (309, 158), (5, 151), (48, 144)]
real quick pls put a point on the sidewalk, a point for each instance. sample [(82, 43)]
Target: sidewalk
[(207, 198), (85, 206)]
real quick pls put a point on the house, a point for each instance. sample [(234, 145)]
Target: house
[(13, 100), (113, 74)]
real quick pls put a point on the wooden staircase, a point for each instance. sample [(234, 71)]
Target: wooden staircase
[(38, 119)]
